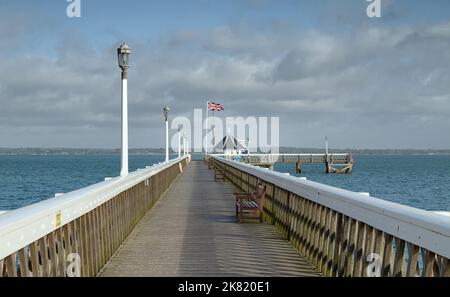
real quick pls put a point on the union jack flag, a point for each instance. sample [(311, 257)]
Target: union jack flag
[(215, 106)]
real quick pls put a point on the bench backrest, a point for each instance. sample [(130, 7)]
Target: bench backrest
[(260, 194)]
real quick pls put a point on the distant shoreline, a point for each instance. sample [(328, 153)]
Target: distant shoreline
[(286, 150)]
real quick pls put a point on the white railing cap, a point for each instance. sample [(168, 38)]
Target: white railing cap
[(20, 227)]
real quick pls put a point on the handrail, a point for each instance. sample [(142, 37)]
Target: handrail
[(23, 226), (423, 229)]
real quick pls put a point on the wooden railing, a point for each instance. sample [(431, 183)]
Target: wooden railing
[(76, 233), (342, 233)]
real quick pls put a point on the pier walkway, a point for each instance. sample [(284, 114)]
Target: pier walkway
[(192, 231), (173, 219)]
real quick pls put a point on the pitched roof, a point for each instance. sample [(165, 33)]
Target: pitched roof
[(229, 143)]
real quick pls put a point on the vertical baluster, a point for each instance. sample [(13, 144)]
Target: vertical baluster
[(34, 259), (368, 248), (2, 267), (114, 230), (413, 260), (337, 243), (445, 268), (344, 246), (119, 217), (429, 260), (313, 231), (92, 250), (332, 243), (272, 205), (359, 255), (319, 236), (24, 262), (276, 208), (352, 242), (286, 225), (107, 218), (53, 255), (377, 249), (11, 265), (61, 256), (293, 219), (387, 255), (81, 246), (88, 244), (76, 245), (399, 257), (102, 241), (326, 243), (68, 243), (123, 209), (308, 227), (299, 216), (68, 249), (44, 251), (323, 239), (301, 229)]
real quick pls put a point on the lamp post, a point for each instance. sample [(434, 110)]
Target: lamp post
[(213, 127), (184, 145), (123, 54), (187, 147), (179, 141), (166, 119)]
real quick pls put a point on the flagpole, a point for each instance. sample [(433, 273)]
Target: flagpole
[(206, 136), (213, 127)]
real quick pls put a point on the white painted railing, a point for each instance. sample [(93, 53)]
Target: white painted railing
[(301, 208), (26, 226)]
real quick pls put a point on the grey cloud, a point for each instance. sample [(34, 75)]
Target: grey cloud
[(378, 81)]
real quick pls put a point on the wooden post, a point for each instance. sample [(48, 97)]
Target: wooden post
[(327, 164), (298, 167)]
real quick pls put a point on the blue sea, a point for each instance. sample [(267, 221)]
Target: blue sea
[(418, 181)]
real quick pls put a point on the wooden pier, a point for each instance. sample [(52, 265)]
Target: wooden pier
[(334, 163), (192, 231), (175, 219)]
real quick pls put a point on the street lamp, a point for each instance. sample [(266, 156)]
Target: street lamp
[(187, 146), (184, 144), (123, 55), (166, 119), (213, 127), (179, 141)]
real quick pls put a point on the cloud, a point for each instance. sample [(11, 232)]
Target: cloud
[(379, 81)]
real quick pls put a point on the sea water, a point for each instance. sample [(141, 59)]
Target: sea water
[(417, 181)]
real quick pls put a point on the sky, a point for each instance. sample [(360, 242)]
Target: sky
[(323, 67)]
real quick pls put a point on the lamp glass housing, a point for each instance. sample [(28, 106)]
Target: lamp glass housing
[(123, 55), (166, 113)]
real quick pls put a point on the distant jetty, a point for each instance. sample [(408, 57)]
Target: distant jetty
[(157, 151)]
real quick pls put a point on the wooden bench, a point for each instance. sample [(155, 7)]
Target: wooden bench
[(219, 175), (250, 205)]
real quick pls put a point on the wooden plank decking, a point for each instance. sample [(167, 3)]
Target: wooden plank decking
[(192, 231)]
